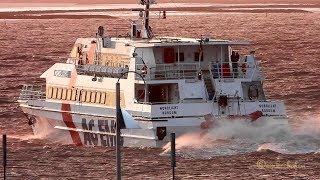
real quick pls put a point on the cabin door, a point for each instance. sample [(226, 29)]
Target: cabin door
[(168, 55)]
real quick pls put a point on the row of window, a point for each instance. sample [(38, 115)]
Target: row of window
[(181, 57), (81, 95)]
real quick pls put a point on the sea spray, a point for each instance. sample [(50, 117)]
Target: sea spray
[(241, 136), (273, 147), (44, 129), (228, 137), (192, 139), (307, 124)]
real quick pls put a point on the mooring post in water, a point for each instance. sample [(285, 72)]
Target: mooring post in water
[(4, 146), (173, 153), (118, 111)]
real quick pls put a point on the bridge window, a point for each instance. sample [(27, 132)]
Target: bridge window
[(74, 95), (88, 96), (107, 98), (78, 94), (103, 98), (98, 97), (69, 94), (93, 97), (83, 95), (54, 93), (50, 89), (64, 94), (181, 57), (59, 93)]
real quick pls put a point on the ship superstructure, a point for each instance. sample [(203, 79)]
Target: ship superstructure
[(176, 83)]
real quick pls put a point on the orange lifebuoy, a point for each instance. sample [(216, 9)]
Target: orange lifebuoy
[(144, 69), (244, 68)]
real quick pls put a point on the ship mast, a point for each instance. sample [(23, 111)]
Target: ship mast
[(147, 32)]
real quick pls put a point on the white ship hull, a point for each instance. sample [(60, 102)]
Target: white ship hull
[(62, 123)]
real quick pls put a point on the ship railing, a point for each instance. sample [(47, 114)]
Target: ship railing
[(32, 92), (239, 70), (206, 89), (194, 100), (102, 71), (168, 71)]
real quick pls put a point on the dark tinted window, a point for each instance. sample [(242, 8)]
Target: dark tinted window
[(196, 56), (181, 57)]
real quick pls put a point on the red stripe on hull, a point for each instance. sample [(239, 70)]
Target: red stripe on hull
[(67, 119)]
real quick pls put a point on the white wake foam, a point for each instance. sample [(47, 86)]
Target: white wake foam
[(242, 137)]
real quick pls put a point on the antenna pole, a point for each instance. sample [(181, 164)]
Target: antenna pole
[(147, 15), (148, 33)]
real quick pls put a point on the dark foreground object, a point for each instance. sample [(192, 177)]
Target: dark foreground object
[(54, 161), (4, 157)]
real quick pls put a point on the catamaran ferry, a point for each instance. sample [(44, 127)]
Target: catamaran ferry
[(168, 84)]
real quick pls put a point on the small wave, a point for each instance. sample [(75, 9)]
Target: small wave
[(273, 148), (24, 137)]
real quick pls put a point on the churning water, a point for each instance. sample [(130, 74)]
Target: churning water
[(237, 137)]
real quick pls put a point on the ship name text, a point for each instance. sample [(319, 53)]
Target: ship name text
[(268, 108), (169, 110)]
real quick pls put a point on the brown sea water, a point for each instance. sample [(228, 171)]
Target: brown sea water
[(287, 44)]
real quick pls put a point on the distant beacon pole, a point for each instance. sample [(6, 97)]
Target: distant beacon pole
[(173, 153), (164, 15), (4, 146), (118, 152)]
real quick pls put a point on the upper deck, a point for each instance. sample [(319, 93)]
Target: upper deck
[(164, 58)]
